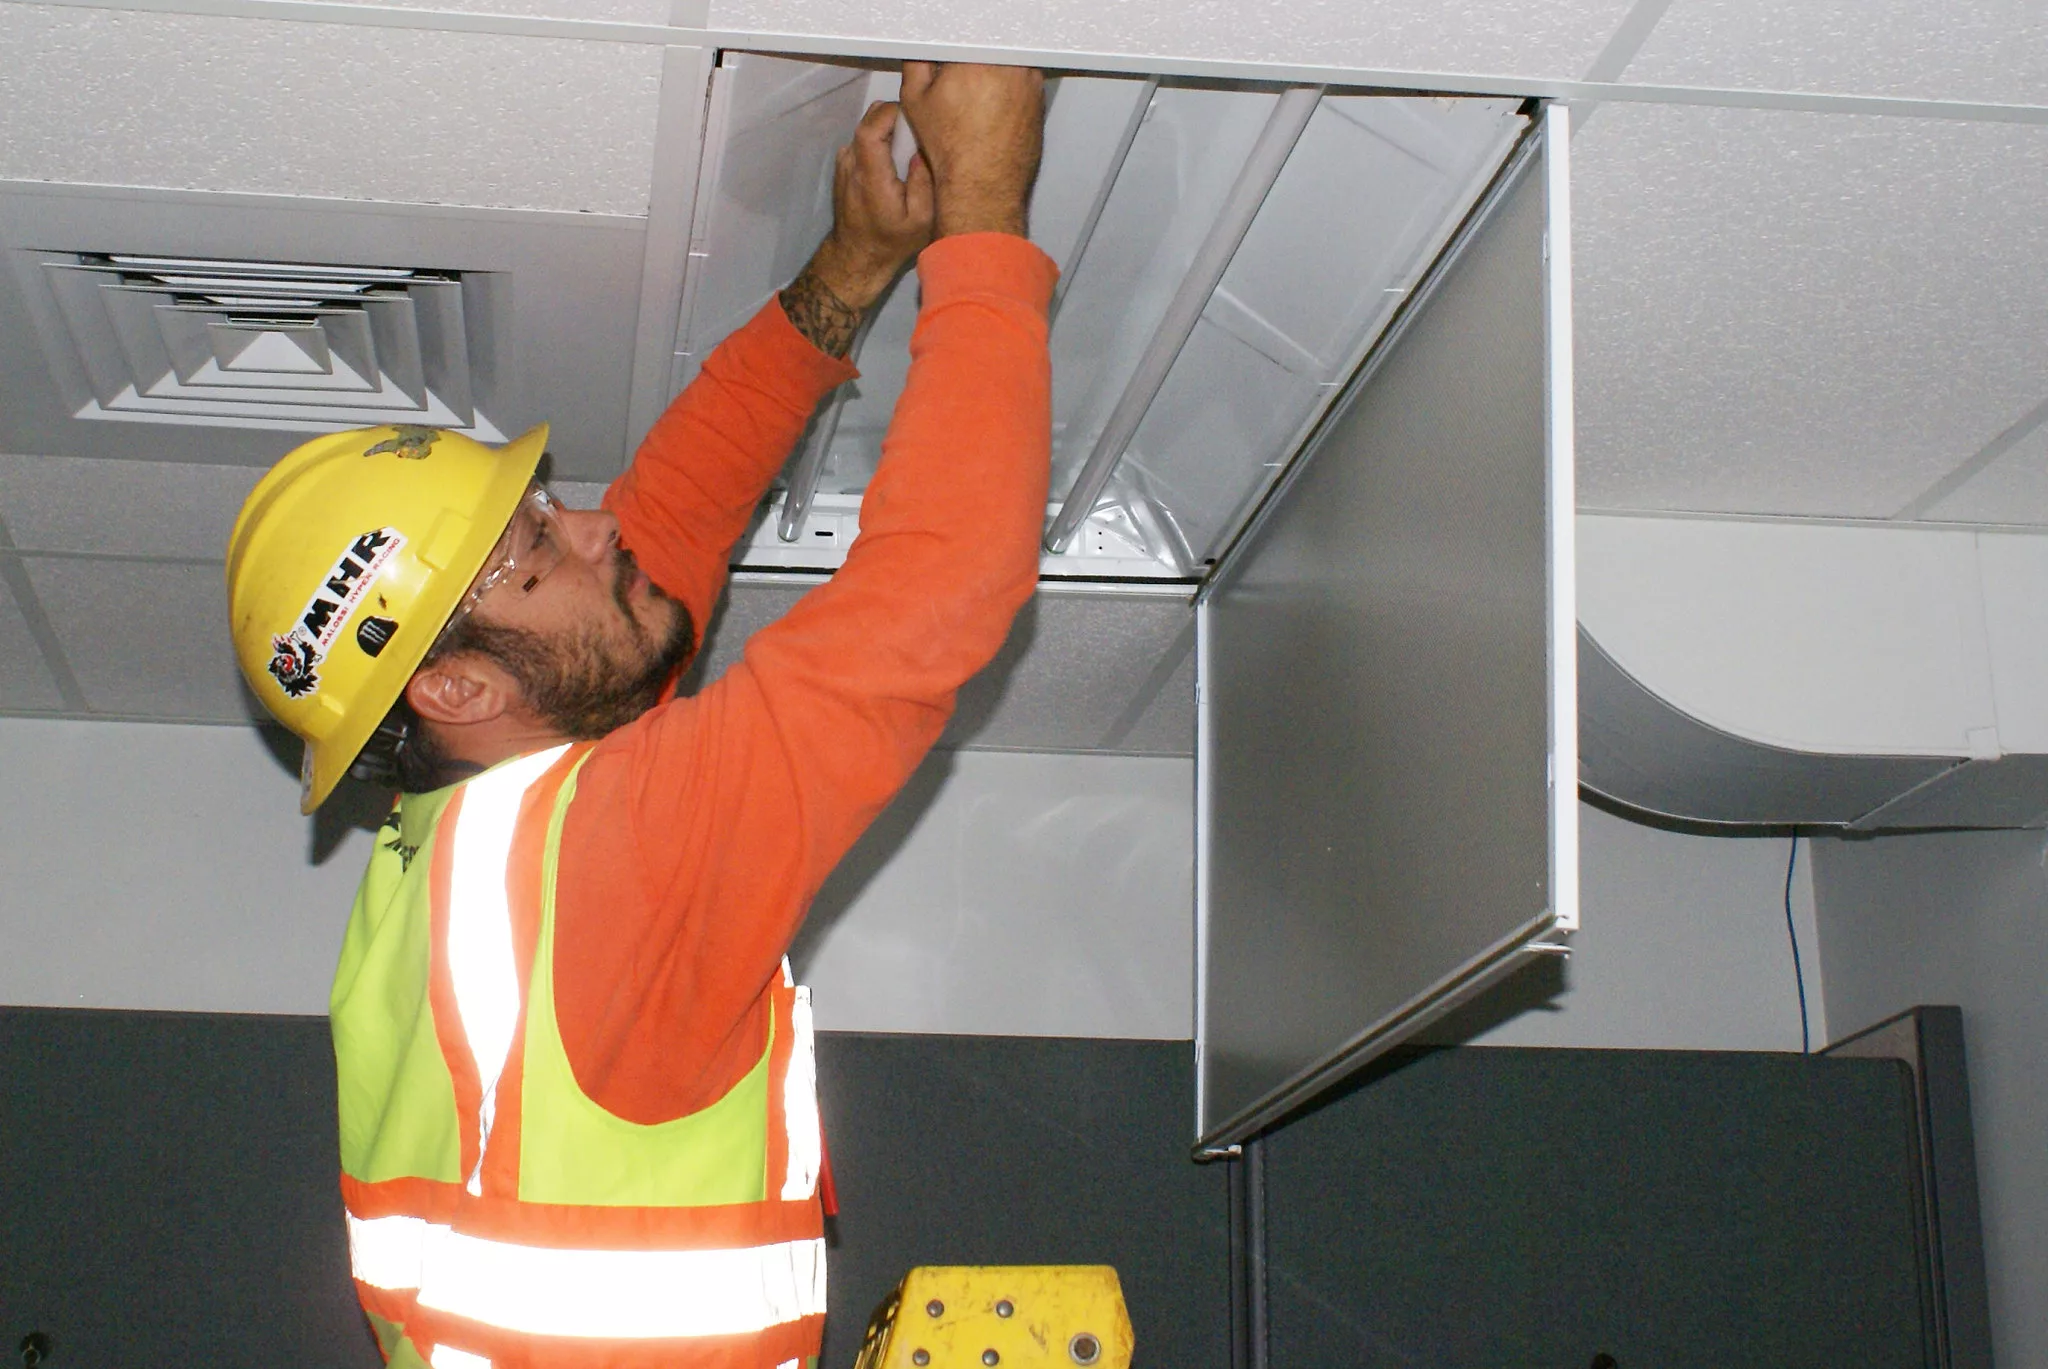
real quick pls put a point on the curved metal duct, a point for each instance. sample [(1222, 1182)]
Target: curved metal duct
[(1862, 677)]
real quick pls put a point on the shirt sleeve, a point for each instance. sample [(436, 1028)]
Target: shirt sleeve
[(698, 478), (718, 816)]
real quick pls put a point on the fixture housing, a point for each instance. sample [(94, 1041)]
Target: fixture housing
[(1229, 254)]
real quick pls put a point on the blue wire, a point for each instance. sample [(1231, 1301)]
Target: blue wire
[(1792, 933)]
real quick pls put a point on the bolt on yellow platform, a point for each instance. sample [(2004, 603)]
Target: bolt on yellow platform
[(1030, 1316)]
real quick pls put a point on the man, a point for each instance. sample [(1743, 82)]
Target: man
[(578, 1122)]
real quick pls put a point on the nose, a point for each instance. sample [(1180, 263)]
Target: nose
[(591, 533)]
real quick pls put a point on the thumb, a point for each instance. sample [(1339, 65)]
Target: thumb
[(918, 195), (918, 78)]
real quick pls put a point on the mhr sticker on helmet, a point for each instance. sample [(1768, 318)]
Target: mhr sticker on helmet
[(295, 653)]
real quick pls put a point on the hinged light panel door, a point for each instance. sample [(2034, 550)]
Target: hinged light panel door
[(1388, 750)]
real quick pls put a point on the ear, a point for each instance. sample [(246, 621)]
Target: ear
[(461, 689)]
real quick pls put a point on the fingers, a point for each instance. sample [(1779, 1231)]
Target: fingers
[(917, 79), (870, 150), (878, 123), (919, 197)]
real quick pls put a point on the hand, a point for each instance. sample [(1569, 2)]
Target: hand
[(980, 129), (879, 221)]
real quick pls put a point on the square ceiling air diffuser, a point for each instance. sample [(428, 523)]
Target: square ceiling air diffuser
[(263, 344)]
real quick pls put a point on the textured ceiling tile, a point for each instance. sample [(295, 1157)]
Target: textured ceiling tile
[(122, 508), (25, 683), (748, 607), (1074, 663), (1519, 37), (1166, 727), (2012, 489), (1801, 313), (1992, 50), (145, 638), (1063, 681), (609, 11), (578, 494), (204, 103)]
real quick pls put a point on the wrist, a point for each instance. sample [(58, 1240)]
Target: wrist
[(857, 278), (980, 209), (953, 225)]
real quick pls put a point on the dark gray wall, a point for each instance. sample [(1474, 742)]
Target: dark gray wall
[(168, 1189), (1962, 918), (169, 1192), (1014, 1150), (1495, 1208), (168, 1184)]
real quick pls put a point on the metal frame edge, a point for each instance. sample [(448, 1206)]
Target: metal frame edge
[(1203, 735), (1563, 518)]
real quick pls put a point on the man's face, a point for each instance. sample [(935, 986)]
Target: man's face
[(593, 642)]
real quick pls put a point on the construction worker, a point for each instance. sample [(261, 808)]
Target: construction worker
[(577, 1104)]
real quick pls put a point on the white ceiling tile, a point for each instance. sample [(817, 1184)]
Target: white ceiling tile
[(122, 508), (1801, 313), (145, 638), (1990, 50), (25, 683), (1520, 37), (278, 107), (2012, 489)]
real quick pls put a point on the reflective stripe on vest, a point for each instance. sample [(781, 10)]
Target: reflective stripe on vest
[(448, 1357), (800, 1100), (480, 960), (575, 1289), (616, 1294)]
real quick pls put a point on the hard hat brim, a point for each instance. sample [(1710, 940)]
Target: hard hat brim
[(329, 758)]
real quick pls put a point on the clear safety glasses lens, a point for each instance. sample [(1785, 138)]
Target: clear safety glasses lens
[(531, 546)]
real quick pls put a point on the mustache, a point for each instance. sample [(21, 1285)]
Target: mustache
[(624, 568)]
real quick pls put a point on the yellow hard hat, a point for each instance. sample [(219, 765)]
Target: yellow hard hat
[(347, 560)]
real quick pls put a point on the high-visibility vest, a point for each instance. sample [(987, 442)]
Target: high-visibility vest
[(498, 1215)]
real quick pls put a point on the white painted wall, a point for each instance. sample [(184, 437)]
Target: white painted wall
[(1962, 918), (1682, 946), (1011, 893), (152, 866), (1861, 639), (1016, 893)]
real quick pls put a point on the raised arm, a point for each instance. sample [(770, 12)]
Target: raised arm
[(699, 476), (780, 764)]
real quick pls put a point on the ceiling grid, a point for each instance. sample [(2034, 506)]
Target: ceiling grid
[(1936, 501), (25, 611)]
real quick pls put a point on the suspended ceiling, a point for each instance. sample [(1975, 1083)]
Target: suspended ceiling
[(1794, 298)]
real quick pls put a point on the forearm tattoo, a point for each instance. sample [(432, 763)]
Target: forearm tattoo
[(827, 320)]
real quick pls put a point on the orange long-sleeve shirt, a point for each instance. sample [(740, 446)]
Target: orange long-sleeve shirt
[(701, 831)]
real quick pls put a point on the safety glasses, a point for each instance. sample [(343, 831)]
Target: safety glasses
[(531, 546)]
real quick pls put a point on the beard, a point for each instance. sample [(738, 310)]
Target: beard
[(586, 684)]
